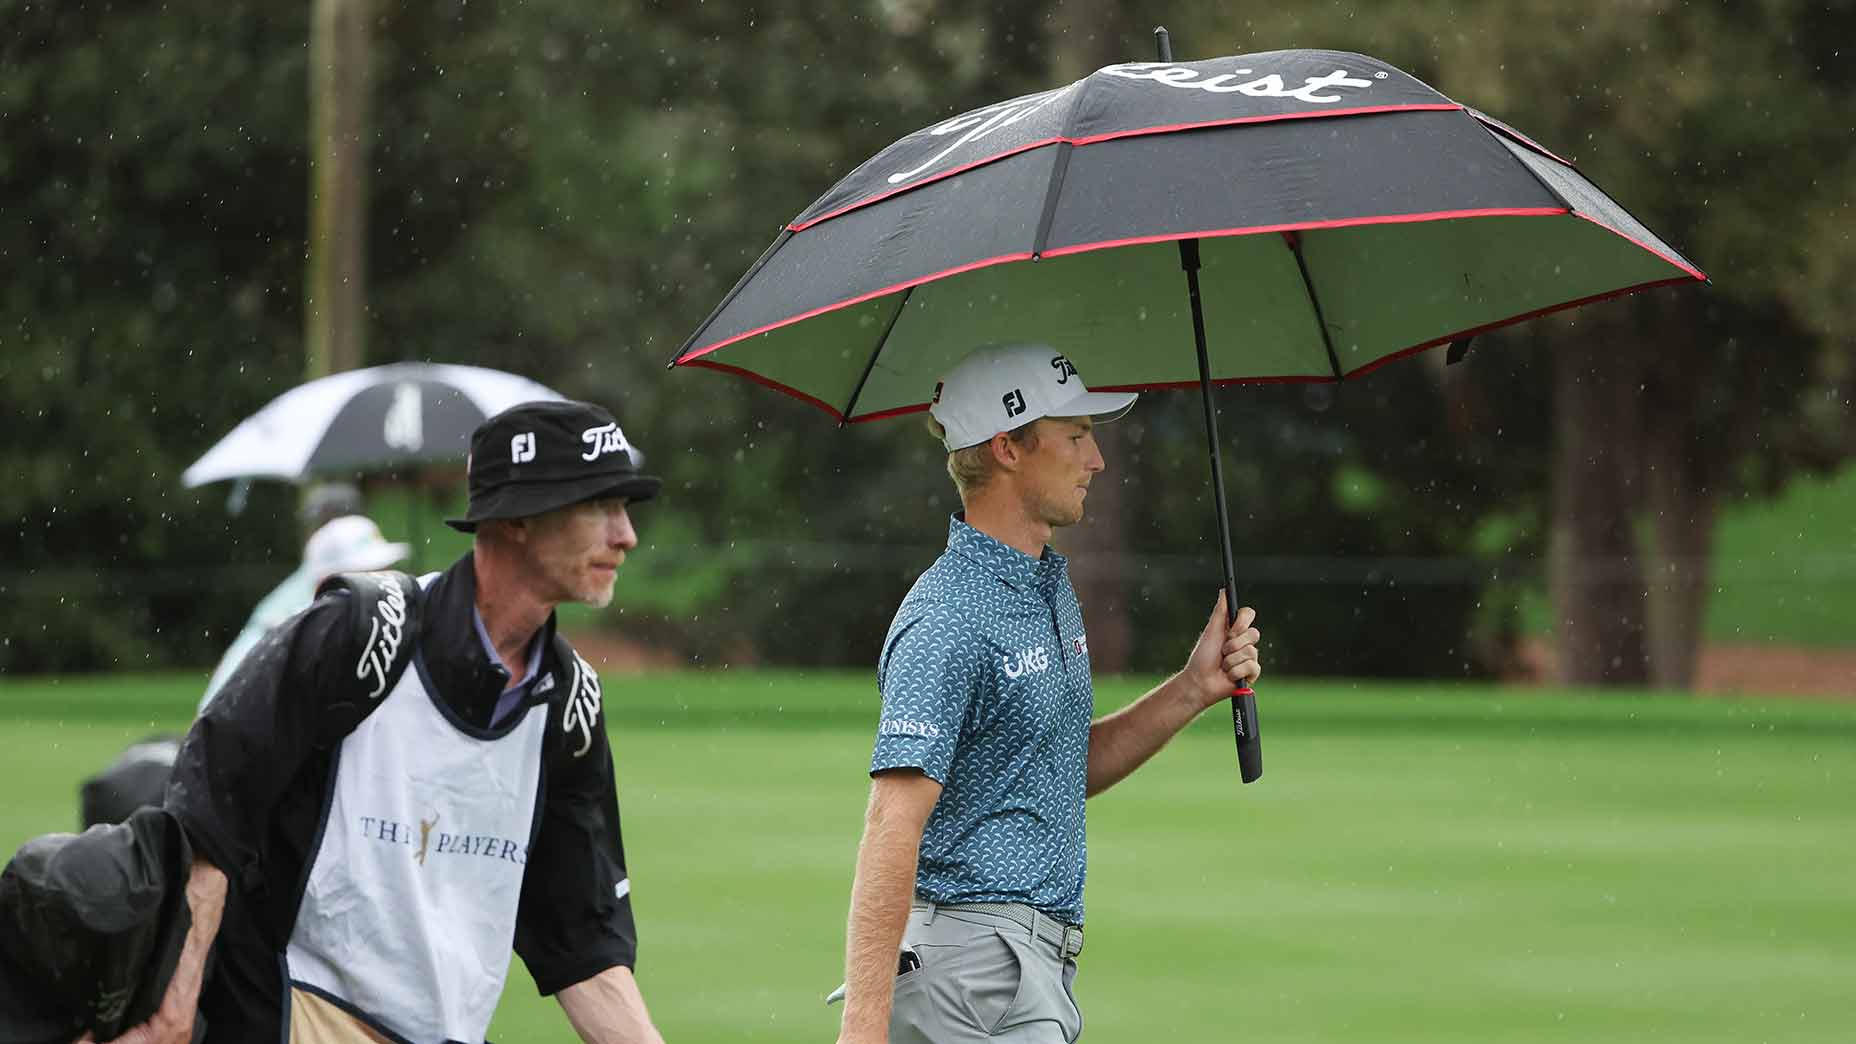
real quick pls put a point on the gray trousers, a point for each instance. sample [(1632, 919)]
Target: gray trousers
[(982, 977)]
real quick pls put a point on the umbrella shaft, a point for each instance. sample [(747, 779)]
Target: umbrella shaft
[(1189, 260), (1244, 723)]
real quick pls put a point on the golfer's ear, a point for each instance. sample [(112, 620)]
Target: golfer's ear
[(1004, 450)]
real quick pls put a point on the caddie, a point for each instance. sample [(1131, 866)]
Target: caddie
[(410, 779)]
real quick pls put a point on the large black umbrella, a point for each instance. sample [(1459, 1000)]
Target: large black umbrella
[(1331, 212)]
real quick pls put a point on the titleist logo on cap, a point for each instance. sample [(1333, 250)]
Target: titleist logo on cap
[(607, 438)]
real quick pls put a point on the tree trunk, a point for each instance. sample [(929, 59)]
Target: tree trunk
[(1597, 589), (336, 313), (1682, 511), (1684, 528)]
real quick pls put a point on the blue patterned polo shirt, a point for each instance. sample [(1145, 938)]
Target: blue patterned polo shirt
[(985, 683)]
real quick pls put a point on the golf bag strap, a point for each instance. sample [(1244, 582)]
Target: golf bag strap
[(582, 707), (384, 616)]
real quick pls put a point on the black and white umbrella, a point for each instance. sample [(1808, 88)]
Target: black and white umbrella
[(358, 420), (1331, 213)]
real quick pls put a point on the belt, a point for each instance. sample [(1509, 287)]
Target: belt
[(1067, 938)]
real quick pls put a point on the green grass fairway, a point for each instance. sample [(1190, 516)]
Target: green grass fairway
[(1420, 864)]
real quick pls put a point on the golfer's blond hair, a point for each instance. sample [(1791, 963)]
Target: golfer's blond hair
[(971, 468)]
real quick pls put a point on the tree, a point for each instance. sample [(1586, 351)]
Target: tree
[(1667, 406), (565, 189), (152, 286)]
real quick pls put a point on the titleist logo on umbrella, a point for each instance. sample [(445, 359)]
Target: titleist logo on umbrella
[(1267, 86), (978, 124)]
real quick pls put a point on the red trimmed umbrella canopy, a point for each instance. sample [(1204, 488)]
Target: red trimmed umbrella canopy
[(1349, 214)]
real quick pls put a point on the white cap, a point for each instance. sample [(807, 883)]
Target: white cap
[(1001, 388), (349, 544)]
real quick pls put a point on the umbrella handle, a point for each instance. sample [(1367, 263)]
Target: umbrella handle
[(1249, 740)]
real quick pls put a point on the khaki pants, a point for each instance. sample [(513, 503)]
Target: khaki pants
[(982, 977), (314, 1020)]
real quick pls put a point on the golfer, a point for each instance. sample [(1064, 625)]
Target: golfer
[(408, 779), (966, 913)]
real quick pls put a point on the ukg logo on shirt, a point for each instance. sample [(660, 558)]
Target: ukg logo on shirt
[(1031, 661)]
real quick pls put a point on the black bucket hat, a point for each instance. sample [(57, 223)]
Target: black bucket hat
[(538, 456)]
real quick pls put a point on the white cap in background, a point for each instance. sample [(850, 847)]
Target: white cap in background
[(349, 544)]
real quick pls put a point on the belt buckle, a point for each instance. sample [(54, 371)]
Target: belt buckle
[(1072, 944)]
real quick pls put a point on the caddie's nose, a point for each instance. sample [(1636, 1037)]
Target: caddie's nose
[(619, 531)]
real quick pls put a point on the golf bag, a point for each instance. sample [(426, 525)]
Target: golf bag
[(91, 928), (138, 778)]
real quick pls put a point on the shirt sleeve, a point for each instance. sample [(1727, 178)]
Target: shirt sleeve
[(575, 917), (930, 677), (272, 713)]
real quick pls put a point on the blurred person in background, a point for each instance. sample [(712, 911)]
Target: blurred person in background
[(322, 504), (341, 542), (967, 906), (365, 796)]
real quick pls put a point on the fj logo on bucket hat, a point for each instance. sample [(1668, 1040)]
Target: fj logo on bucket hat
[(522, 448)]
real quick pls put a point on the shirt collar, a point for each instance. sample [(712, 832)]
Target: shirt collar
[(468, 675), (1007, 563), (489, 648)]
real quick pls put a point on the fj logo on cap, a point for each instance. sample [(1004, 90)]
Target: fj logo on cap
[(607, 438), (1064, 369), (522, 448), (1014, 402)]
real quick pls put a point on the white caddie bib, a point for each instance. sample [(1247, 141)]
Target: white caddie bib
[(409, 915)]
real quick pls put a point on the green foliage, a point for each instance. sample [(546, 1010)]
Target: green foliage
[(153, 187), (1785, 566), (565, 189)]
